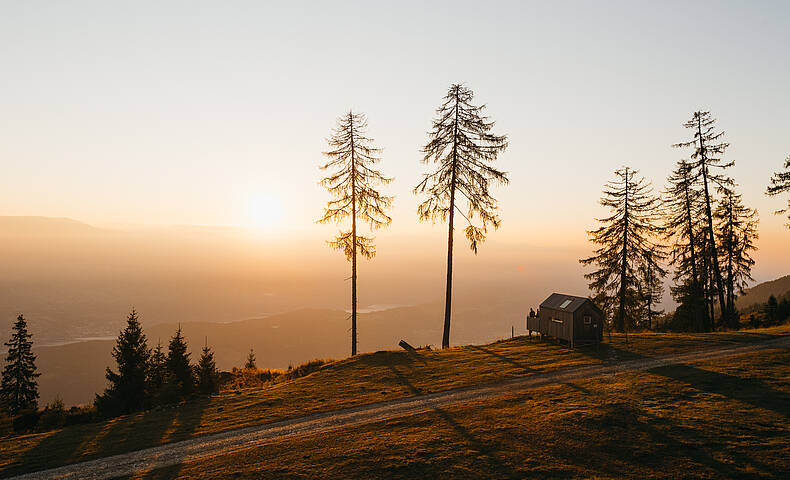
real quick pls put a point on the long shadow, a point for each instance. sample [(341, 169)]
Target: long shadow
[(405, 381), (747, 390), (185, 426), (487, 451), (124, 434), (504, 358), (658, 448)]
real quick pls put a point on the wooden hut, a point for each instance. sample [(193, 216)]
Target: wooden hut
[(574, 319)]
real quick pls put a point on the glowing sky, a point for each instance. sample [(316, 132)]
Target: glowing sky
[(214, 113)]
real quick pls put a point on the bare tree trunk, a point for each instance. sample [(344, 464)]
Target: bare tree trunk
[(623, 271), (448, 299), (353, 244)]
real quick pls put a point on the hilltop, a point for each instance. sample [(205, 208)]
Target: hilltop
[(668, 418), (759, 293)]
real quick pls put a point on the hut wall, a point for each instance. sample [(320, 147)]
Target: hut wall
[(588, 332), (557, 323)]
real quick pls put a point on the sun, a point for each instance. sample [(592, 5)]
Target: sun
[(264, 211)]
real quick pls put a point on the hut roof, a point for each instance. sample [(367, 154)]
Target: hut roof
[(568, 303)]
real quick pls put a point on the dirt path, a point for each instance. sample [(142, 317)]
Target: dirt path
[(241, 439)]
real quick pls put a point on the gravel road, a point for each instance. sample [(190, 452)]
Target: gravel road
[(234, 440)]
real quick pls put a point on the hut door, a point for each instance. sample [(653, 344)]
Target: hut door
[(588, 326)]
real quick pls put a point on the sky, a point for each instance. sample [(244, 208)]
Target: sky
[(216, 113)]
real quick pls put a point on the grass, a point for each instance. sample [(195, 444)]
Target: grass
[(360, 380), (722, 419)]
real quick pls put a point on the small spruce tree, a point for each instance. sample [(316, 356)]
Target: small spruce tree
[(250, 363), (178, 363), (19, 389), (127, 390), (206, 372), (157, 370)]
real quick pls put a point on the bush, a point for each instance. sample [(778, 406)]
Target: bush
[(305, 369), (53, 416), (246, 378), (26, 420), (81, 414), (6, 424), (170, 392)]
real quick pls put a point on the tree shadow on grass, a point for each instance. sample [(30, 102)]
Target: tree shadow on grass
[(635, 438), (743, 389), (488, 452), (504, 358), (119, 435)]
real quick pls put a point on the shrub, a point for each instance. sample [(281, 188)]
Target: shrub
[(6, 424), (81, 414), (53, 416), (26, 420), (305, 369)]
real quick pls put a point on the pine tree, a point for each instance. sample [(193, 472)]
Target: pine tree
[(772, 309), (19, 389), (157, 370), (178, 363), (206, 372), (352, 184), (626, 245), (250, 363), (463, 149), (736, 233), (683, 210), (128, 390), (780, 183), (708, 152)]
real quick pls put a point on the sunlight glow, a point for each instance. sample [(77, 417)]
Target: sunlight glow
[(264, 211)]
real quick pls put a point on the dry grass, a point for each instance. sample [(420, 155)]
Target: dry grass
[(722, 419), (364, 379)]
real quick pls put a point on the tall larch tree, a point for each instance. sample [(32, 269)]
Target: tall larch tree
[(462, 148), (626, 246), (127, 390), (683, 210), (708, 166), (780, 183), (736, 234), (352, 183), (19, 388)]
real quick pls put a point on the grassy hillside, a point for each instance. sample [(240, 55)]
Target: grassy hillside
[(721, 419), (364, 379)]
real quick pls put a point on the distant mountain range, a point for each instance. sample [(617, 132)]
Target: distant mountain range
[(759, 293)]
